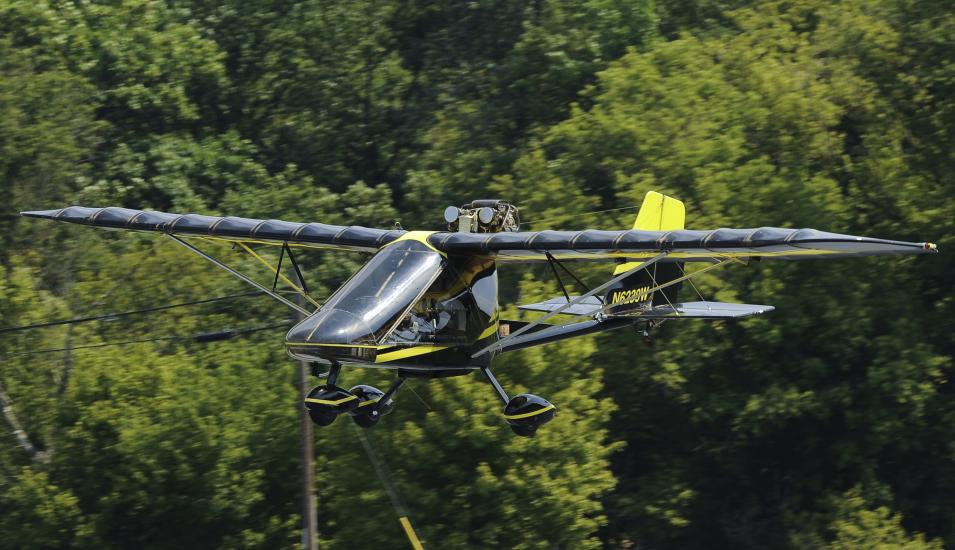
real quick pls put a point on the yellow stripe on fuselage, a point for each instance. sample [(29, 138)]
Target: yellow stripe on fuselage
[(405, 353), (411, 351), (329, 401)]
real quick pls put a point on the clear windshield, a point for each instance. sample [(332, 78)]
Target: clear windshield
[(371, 302)]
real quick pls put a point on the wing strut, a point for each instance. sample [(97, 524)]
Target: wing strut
[(554, 261), (279, 275), (298, 272), (550, 261), (264, 289), (501, 343), (599, 316)]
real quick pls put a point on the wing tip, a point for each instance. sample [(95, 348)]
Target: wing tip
[(48, 214)]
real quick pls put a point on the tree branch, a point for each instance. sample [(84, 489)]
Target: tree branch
[(36, 455)]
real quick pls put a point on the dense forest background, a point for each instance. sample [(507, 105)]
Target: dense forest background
[(825, 424)]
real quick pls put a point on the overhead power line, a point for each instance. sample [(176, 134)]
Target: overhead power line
[(202, 338), (111, 316), (589, 213)]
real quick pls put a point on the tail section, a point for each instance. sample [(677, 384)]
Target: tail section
[(658, 213)]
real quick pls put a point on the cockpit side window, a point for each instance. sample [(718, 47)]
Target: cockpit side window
[(447, 314)]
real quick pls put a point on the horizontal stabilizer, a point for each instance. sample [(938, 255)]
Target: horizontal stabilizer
[(687, 310), (589, 306), (702, 310)]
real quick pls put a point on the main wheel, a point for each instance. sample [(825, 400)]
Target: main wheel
[(528, 412), (369, 410), (326, 402), (322, 418)]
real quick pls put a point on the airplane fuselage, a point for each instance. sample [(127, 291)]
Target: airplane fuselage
[(410, 307)]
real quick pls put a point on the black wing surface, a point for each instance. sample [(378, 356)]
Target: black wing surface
[(685, 245), (680, 245), (228, 228)]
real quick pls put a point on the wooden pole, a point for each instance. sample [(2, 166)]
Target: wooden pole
[(309, 513)]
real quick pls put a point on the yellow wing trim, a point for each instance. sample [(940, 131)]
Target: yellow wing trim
[(316, 246), (420, 236), (693, 256)]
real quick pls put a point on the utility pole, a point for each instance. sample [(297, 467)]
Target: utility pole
[(309, 514)]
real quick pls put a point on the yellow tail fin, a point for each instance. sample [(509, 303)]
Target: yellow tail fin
[(658, 213)]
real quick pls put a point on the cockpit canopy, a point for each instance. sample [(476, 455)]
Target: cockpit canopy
[(369, 306)]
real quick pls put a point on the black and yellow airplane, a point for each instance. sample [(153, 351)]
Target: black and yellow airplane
[(426, 303)]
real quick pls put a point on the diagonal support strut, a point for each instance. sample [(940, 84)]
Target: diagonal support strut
[(501, 343), (601, 314), (263, 288)]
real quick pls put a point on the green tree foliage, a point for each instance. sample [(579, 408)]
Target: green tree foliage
[(823, 425), (762, 128)]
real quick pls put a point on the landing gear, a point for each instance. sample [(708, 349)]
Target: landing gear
[(327, 401), (525, 412), (647, 338), (365, 404), (371, 407)]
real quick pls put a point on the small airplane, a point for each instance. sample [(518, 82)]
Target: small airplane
[(426, 303)]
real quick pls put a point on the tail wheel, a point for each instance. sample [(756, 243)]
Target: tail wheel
[(326, 402), (369, 410), (527, 412)]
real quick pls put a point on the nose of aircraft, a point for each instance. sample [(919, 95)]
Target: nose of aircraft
[(332, 326)]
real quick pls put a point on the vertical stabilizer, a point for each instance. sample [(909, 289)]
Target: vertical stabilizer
[(658, 213)]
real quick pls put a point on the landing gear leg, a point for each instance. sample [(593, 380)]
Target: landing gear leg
[(333, 373), (525, 412), (386, 399), (497, 385)]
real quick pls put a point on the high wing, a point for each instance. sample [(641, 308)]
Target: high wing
[(312, 235), (682, 245)]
